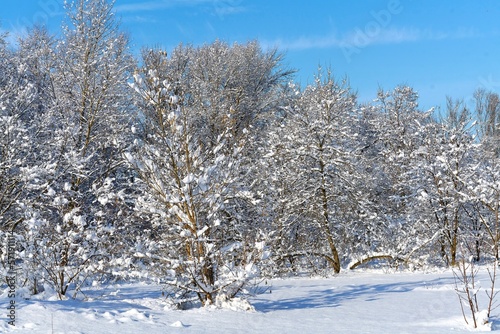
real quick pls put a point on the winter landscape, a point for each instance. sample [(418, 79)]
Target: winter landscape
[(201, 189), (354, 302)]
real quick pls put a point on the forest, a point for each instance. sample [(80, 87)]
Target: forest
[(205, 167)]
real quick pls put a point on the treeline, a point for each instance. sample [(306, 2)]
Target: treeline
[(207, 166)]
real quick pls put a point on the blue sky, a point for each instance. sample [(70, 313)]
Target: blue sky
[(438, 47)]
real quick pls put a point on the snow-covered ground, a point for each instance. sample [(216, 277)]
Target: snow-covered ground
[(352, 302)]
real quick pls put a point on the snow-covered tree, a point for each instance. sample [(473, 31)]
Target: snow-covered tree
[(20, 99), (72, 230), (399, 138), (17, 100), (230, 86), (316, 181), (391, 136), (483, 187), (445, 157), (484, 191), (11, 135), (487, 109), (193, 191)]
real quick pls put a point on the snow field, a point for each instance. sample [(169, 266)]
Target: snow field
[(352, 302)]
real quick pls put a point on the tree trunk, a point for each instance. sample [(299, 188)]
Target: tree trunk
[(335, 261)]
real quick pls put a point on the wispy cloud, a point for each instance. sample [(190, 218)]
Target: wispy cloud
[(228, 9), (361, 38), (138, 19), (220, 7), (144, 6)]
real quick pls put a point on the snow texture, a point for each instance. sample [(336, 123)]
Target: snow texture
[(352, 302)]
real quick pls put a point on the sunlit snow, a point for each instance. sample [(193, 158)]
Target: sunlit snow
[(352, 302)]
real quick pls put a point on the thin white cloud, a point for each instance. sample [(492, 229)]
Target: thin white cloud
[(220, 7), (360, 38), (138, 19), (144, 6), (228, 9)]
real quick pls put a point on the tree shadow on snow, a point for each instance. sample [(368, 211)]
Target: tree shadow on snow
[(325, 297), (109, 299)]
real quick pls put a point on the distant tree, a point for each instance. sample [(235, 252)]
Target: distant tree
[(488, 112)]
